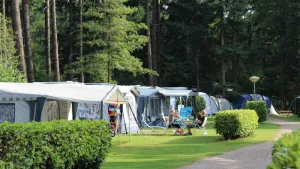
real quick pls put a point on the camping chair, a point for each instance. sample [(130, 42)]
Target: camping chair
[(159, 122), (202, 127)]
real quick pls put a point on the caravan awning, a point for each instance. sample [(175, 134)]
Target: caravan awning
[(69, 92), (176, 92), (147, 92)]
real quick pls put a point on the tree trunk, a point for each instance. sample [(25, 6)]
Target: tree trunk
[(70, 58), (234, 62), (4, 22), (222, 60), (158, 58), (149, 44), (197, 70), (16, 24), (30, 74), (55, 43), (81, 42), (154, 42), (3, 8), (47, 38)]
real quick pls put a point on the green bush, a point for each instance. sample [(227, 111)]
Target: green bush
[(234, 124), (286, 151), (261, 109), (58, 144), (197, 102)]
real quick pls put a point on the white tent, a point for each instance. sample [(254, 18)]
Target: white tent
[(273, 111), (38, 101), (129, 115)]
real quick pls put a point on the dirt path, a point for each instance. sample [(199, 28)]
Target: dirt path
[(253, 157)]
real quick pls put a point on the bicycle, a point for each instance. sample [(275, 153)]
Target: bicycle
[(112, 130)]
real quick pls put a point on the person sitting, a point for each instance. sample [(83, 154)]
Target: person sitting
[(199, 117), (176, 123)]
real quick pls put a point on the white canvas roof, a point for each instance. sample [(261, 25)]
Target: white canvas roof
[(69, 92), (146, 91), (127, 89), (176, 92)]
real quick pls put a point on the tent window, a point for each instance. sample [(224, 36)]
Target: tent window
[(7, 112), (56, 110), (154, 105)]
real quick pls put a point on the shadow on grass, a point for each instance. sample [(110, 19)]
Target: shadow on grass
[(160, 151)]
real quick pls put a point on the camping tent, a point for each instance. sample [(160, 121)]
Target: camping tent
[(224, 104), (210, 105), (24, 102), (149, 103), (239, 102), (129, 114)]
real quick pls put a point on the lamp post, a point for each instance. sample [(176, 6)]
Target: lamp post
[(254, 79)]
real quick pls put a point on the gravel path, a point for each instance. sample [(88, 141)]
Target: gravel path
[(253, 157)]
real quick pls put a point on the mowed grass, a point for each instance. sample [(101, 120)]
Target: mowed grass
[(290, 117), (159, 151)]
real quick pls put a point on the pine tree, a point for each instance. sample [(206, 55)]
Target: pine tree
[(111, 38)]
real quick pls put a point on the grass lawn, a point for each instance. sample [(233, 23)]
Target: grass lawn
[(291, 117), (159, 151)]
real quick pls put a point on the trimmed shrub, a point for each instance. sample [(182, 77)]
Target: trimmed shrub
[(286, 151), (261, 109), (234, 124), (58, 144)]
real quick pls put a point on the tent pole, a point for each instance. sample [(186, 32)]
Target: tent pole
[(129, 123), (136, 121)]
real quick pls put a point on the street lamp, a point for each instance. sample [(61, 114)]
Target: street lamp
[(254, 79)]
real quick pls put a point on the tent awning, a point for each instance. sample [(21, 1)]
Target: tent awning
[(69, 92), (115, 97), (176, 92), (147, 92), (127, 89)]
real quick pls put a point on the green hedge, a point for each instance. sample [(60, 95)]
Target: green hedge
[(59, 144), (233, 124), (286, 151), (261, 109)]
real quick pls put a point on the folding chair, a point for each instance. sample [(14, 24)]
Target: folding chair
[(202, 127)]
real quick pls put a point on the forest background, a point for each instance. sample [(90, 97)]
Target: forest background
[(208, 45)]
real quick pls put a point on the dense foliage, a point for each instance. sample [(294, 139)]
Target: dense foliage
[(199, 104), (260, 108), (8, 60), (234, 124), (58, 144), (286, 151)]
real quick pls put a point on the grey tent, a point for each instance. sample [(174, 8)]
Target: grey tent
[(222, 103), (148, 104)]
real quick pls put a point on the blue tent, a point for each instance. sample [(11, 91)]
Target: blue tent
[(239, 102)]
